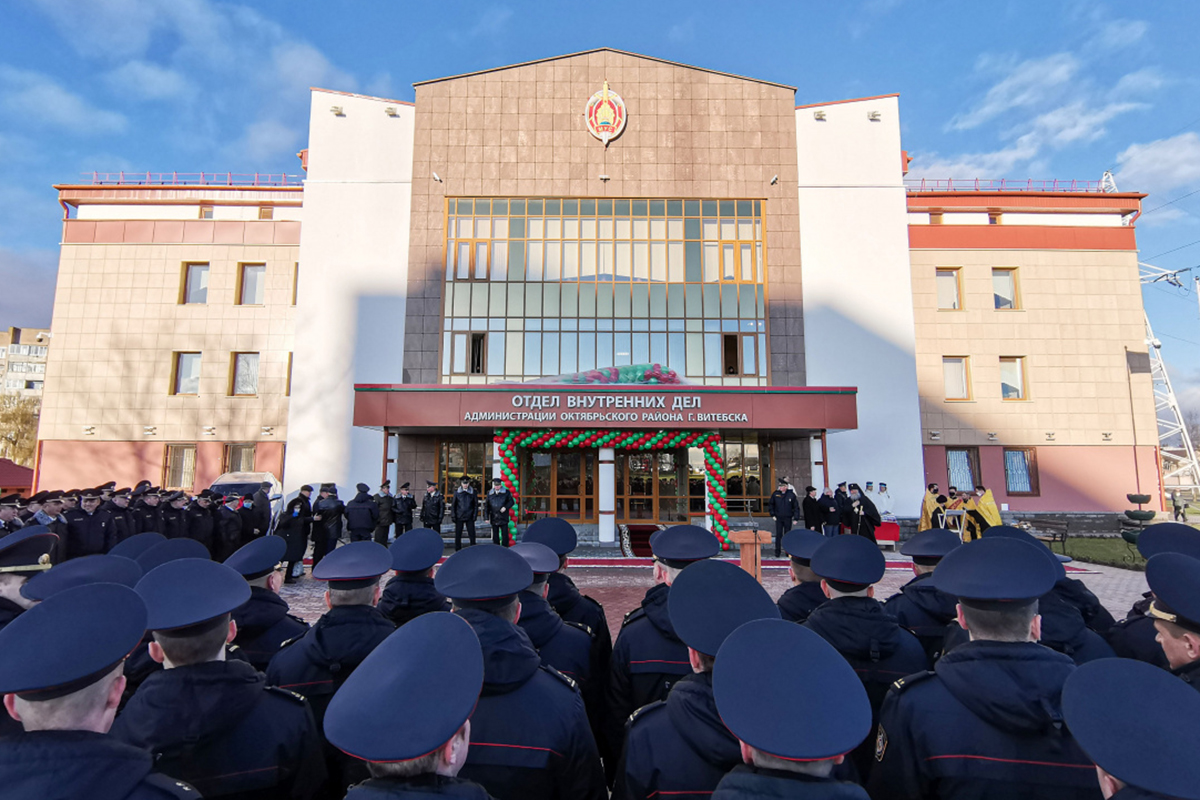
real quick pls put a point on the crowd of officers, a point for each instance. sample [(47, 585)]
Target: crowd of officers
[(159, 671)]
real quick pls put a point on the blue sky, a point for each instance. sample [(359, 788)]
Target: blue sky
[(998, 90)]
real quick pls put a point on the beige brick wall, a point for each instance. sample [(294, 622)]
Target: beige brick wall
[(117, 322), (1079, 311)]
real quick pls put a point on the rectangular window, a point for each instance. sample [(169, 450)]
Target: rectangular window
[(288, 390), (738, 355), (468, 353), (962, 467), (253, 281), (1012, 377), (1020, 471), (195, 284), (206, 212), (179, 471), (239, 458), (186, 379), (1004, 289), (949, 291), (956, 372), (266, 212), (295, 281), (245, 375)]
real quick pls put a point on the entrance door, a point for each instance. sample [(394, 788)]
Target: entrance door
[(559, 483), (652, 486)]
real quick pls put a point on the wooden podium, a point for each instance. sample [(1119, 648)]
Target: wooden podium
[(750, 541)]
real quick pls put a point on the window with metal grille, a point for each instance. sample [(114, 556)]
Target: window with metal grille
[(179, 469), (1020, 471)]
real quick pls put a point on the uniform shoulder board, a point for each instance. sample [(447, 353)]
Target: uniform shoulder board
[(911, 680), (293, 640), (643, 710), (564, 678), (288, 693), (170, 786), (636, 614), (585, 628), (297, 619)]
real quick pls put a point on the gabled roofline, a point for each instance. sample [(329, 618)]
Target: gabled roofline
[(361, 96), (605, 50), (848, 100)]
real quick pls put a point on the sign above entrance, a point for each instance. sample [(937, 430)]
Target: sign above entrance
[(416, 409), (605, 115)]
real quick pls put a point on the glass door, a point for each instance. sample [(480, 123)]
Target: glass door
[(652, 487), (558, 483)]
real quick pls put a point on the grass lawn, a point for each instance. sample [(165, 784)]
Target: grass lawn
[(1112, 552)]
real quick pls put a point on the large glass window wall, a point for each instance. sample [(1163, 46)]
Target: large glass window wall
[(542, 287)]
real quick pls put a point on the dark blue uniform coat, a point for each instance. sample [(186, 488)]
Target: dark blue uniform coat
[(754, 783), (420, 787), (263, 625), (880, 651), (647, 660), (567, 648), (1135, 636), (1190, 674), (572, 606), (801, 600), (925, 611), (408, 596), (677, 747), (47, 765), (147, 518), (124, 525), (88, 534), (220, 728), (530, 738), (201, 524), (318, 663), (986, 723), (174, 522), (1095, 615)]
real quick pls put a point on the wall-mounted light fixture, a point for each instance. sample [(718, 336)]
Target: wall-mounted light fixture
[(774, 179), (210, 430), (1106, 437), (150, 430), (873, 116), (819, 116), (437, 177), (337, 111), (391, 111), (604, 178), (268, 430), (89, 430), (935, 436), (992, 437), (1049, 436)]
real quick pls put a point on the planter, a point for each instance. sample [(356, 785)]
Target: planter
[(1138, 499), (1141, 516)]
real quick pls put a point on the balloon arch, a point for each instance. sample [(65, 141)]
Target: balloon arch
[(507, 442)]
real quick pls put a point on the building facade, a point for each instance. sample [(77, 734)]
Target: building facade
[(23, 361), (636, 291)]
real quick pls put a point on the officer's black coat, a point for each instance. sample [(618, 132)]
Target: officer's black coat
[(318, 663), (8, 612), (227, 534), (247, 517), (567, 648), (465, 506), (647, 660), (801, 600), (260, 512), (433, 508), (174, 522), (48, 765), (404, 506), (924, 610), (811, 512), (678, 746), (88, 534), (1095, 615), (409, 595), (783, 504), (417, 788), (497, 505), (1134, 793), (220, 728), (572, 606), (878, 649), (755, 783), (362, 514), (263, 625), (294, 526), (1190, 674), (1135, 636), (139, 665), (530, 738), (123, 522), (146, 518), (200, 526), (986, 723)]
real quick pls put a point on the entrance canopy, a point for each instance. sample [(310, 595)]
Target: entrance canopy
[(438, 409)]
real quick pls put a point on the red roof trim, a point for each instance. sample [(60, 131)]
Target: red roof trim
[(849, 100)]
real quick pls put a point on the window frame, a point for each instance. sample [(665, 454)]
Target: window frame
[(266, 212), (227, 456), (205, 212), (1032, 465), (1016, 288), (240, 296), (975, 465), (958, 288), (1024, 387), (186, 282), (470, 338), (970, 395), (176, 358), (173, 447), (233, 373)]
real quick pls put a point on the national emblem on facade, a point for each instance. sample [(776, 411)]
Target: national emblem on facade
[(605, 115)]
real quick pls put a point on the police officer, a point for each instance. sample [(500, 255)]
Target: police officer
[(51, 516), (530, 735), (854, 622), (1135, 636), (433, 507), (319, 661), (362, 515), (23, 554), (428, 675), (920, 606), (209, 721), (295, 524), (1175, 580), (566, 646), (117, 506), (89, 531), (783, 508), (227, 526), (263, 622), (649, 657), (680, 746), (174, 523), (10, 505), (385, 503), (199, 522), (405, 504), (987, 722), (1139, 726), (497, 506), (463, 510), (64, 689), (806, 595), (411, 593), (791, 741), (81, 572), (147, 514), (29, 508)]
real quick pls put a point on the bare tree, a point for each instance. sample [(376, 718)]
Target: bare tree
[(19, 428)]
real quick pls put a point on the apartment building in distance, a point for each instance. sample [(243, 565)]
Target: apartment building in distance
[(23, 361)]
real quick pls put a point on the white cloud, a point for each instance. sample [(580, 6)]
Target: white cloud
[(490, 24), (1030, 83), (1118, 33), (1141, 82), (267, 139), (38, 101), (1160, 166), (147, 81)]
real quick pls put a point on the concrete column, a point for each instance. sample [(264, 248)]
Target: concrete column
[(608, 495)]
